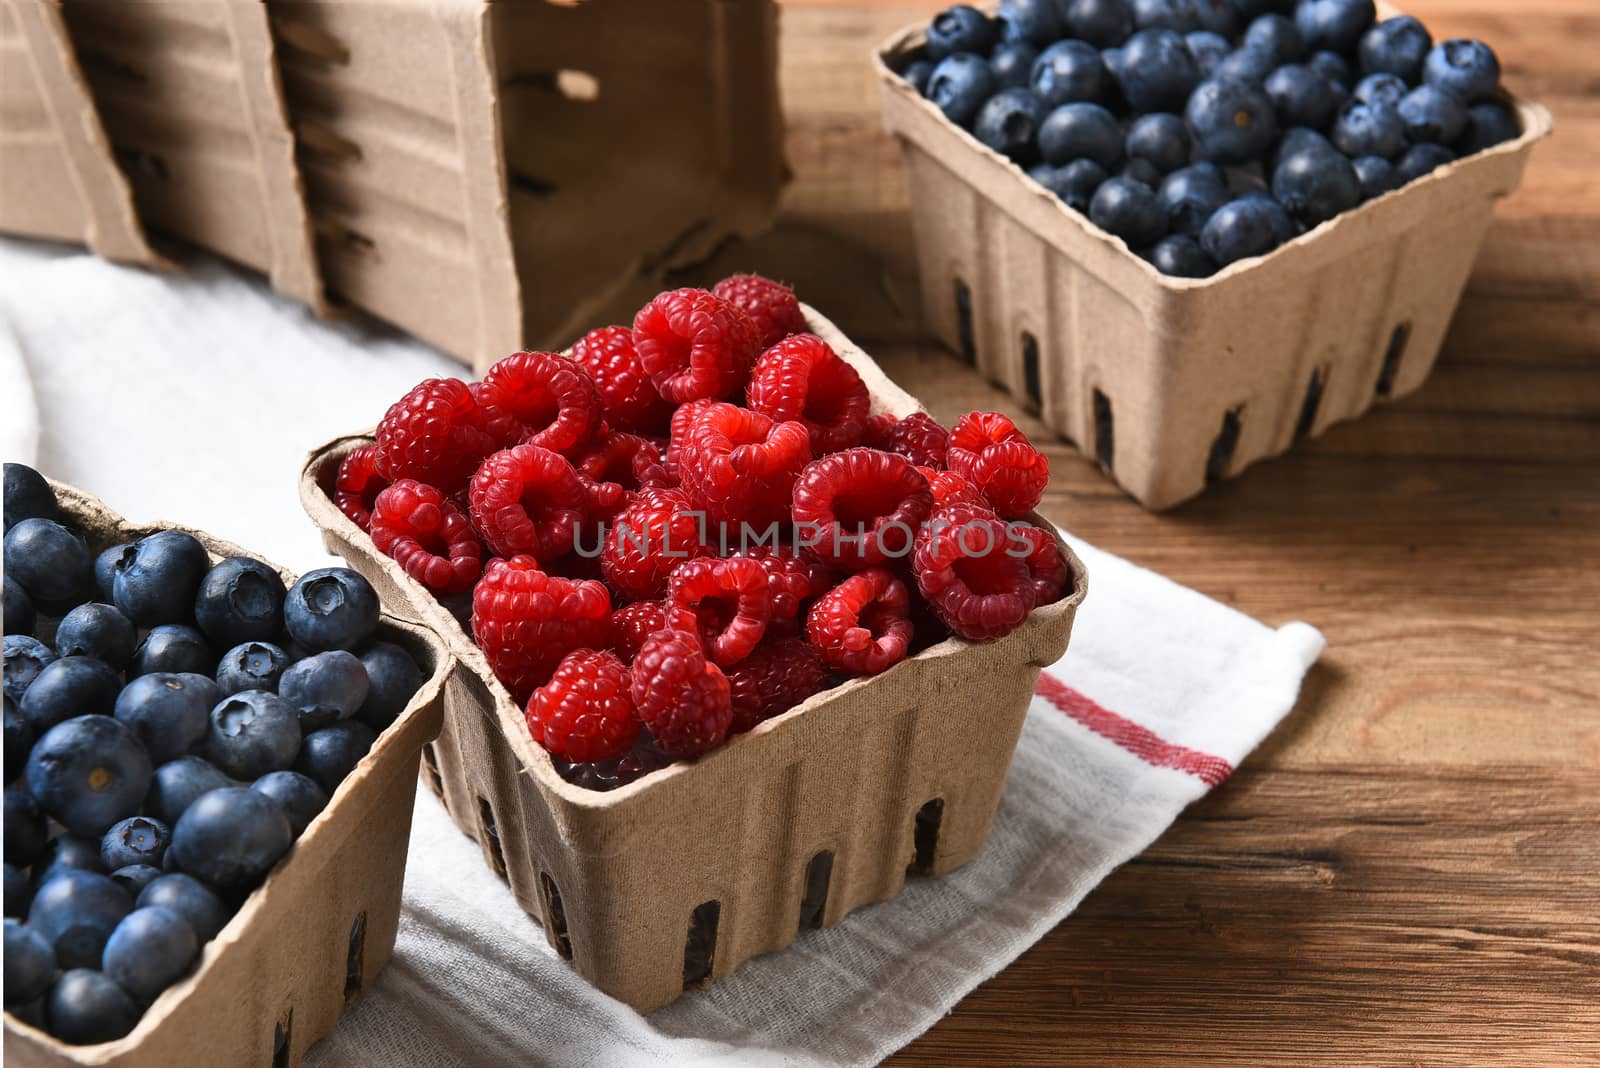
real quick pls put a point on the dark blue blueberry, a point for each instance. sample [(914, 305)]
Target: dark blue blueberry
[(1208, 50), (88, 773), (1396, 46), (1376, 174), (27, 495), (1036, 21), (1386, 90), (1277, 35), (1068, 71), (71, 686), (1008, 122), (1156, 71), (328, 687), (188, 897), (105, 569), (50, 562), (1191, 196), (240, 600), (157, 582), (333, 608), (149, 950), (1216, 16), (68, 851), (251, 733), (135, 840), (1242, 228), (1248, 65), (962, 28), (168, 711), (1129, 210), (1103, 23), (1487, 125), (1081, 131), (251, 666), (1284, 228), (86, 1008), (917, 73), (1180, 16), (393, 678), (1315, 182), (19, 614), (1333, 24), (18, 890), (1302, 97), (1181, 256), (1250, 10), (299, 797), (175, 649), (1073, 182), (1467, 69), (19, 739), (1332, 66), (230, 838), (30, 962), (25, 657), (1012, 62), (135, 877), (26, 833), (328, 755), (178, 783), (1231, 122), (1432, 115), (1368, 130), (76, 911), (1161, 138), (1421, 160), (97, 630), (1142, 171)]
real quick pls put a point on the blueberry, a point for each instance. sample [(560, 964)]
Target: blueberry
[(1432, 115), (97, 630), (157, 581), (86, 1007), (26, 833), (1276, 35), (1242, 228), (18, 891), (1008, 122), (169, 711), (1396, 46), (178, 783), (19, 739), (1487, 125), (327, 687), (231, 838), (1231, 122), (188, 897), (251, 666), (1333, 24), (1315, 183), (1103, 23), (1420, 160), (1208, 50), (1142, 171), (76, 911), (1036, 21), (1302, 97), (1128, 209), (917, 72), (1386, 90), (19, 614), (1191, 196), (1156, 71), (150, 949), (30, 962), (135, 877), (1073, 182), (105, 569), (394, 678), (1215, 16), (251, 733), (332, 608), (50, 562), (1332, 66), (1181, 256), (71, 686), (1180, 16), (67, 851), (1160, 138), (1248, 65), (961, 28), (1376, 174), (175, 649), (1253, 9), (329, 755), (1369, 130), (88, 773), (299, 797), (1068, 71), (135, 840), (1466, 69), (1011, 63), (25, 658), (1081, 131), (27, 495)]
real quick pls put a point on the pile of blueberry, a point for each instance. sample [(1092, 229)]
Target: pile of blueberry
[(151, 784), (1202, 132)]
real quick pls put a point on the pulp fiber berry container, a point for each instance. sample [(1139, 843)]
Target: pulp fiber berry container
[(677, 878), (1170, 383), (321, 927)]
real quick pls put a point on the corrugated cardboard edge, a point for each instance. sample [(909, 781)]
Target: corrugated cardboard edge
[(202, 1019)]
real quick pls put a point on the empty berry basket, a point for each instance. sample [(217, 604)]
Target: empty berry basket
[(675, 879), (1170, 383)]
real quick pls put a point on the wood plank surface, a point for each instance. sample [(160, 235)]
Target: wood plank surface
[(1408, 871)]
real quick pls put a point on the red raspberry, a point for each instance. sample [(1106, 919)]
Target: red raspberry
[(694, 345), (498, 422), (776, 676), (964, 569), (739, 466), (528, 500), (861, 507), (802, 378), (732, 600), (428, 536), (919, 438), (358, 484), (629, 400), (647, 539), (435, 434), (878, 428), (862, 625), (633, 623), (951, 488), (585, 712), (1047, 568), (682, 698), (771, 306), (794, 578), (628, 460), (989, 451), (553, 398), (526, 621)]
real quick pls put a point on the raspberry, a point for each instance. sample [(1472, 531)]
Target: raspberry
[(683, 418), (682, 698), (358, 484), (435, 434), (964, 569), (627, 397), (737, 465), (428, 536), (771, 306), (951, 488), (858, 508), (802, 378), (776, 676), (628, 460), (732, 600), (1047, 568), (919, 438), (585, 712), (878, 429), (553, 398), (633, 623), (989, 451), (694, 345), (528, 500), (647, 539), (862, 625), (794, 578), (526, 621), (498, 422)]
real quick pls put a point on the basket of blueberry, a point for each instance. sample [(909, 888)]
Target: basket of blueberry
[(209, 773), (1189, 232)]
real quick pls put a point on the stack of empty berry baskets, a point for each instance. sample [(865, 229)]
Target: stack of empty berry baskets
[(666, 881), (277, 975), (1111, 227)]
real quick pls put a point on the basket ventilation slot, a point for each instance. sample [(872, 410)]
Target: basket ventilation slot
[(491, 837), (1308, 408), (355, 961), (815, 901), (1104, 441), (1030, 370), (1222, 448), (283, 1040), (964, 328), (1391, 358), (555, 927), (699, 950), (925, 836)]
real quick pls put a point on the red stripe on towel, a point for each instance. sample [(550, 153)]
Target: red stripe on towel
[(1140, 741)]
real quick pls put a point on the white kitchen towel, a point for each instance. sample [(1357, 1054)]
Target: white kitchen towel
[(193, 398)]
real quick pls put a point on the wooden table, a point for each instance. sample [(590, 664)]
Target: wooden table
[(1408, 871)]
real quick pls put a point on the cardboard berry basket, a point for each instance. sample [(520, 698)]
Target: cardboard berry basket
[(317, 931), (678, 877), (1170, 383)]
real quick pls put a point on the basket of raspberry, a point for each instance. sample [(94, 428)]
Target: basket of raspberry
[(210, 770), (1191, 232), (745, 637)]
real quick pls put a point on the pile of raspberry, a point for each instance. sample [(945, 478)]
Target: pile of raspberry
[(691, 525)]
